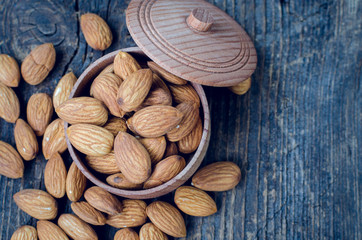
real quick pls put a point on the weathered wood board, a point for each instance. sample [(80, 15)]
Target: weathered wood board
[(297, 135)]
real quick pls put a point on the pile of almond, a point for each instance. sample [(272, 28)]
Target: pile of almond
[(133, 128)]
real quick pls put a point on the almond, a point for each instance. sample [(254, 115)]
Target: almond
[(37, 65), (105, 88), (116, 124), (125, 65), (90, 139), (132, 158), (165, 170), (63, 89), (242, 87), (88, 213), (96, 31), (25, 140), (132, 215), (108, 69), (11, 164), (39, 112), (83, 110), (50, 231), (104, 164), (25, 233), (157, 96), (194, 202), (218, 177), (155, 147), (167, 218), (150, 232), (155, 121), (36, 203), (157, 82), (9, 104), (75, 183), (9, 71), (190, 113), (76, 228), (118, 180), (171, 149), (165, 75), (55, 175), (102, 200), (192, 141), (54, 138), (126, 233), (184, 93), (134, 90)]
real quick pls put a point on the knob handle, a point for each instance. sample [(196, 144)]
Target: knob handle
[(200, 19)]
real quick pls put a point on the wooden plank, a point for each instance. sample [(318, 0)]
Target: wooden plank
[(296, 134)]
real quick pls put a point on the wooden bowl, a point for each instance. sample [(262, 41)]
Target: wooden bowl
[(81, 88)]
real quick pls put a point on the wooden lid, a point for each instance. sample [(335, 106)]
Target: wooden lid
[(193, 40)]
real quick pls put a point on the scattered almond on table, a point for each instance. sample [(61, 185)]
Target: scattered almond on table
[(136, 128)]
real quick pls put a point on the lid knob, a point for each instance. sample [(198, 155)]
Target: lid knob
[(200, 19)]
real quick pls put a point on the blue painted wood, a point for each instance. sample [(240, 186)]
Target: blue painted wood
[(296, 135)]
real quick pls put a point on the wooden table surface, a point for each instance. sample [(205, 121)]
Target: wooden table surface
[(297, 135)]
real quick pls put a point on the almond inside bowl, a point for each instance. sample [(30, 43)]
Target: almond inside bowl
[(193, 160)]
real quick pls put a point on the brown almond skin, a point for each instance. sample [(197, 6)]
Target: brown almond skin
[(241, 88), (39, 112), (54, 139), (37, 65), (165, 170), (64, 87), (155, 146), (11, 164), (76, 228), (102, 200), (126, 234), (105, 88), (192, 141), (37, 203), (116, 124), (118, 180), (25, 233), (132, 215), (158, 96), (88, 213), (104, 164), (25, 139), (134, 89), (83, 110), (75, 183), (132, 158), (55, 175), (217, 177), (9, 104), (167, 218), (125, 65), (166, 75), (90, 139), (9, 71), (150, 232), (50, 231), (194, 202), (154, 121), (96, 31), (191, 115), (184, 93), (171, 149)]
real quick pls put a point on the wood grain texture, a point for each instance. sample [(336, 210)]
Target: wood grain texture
[(296, 134)]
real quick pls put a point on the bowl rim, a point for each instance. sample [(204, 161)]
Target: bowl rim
[(195, 161)]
